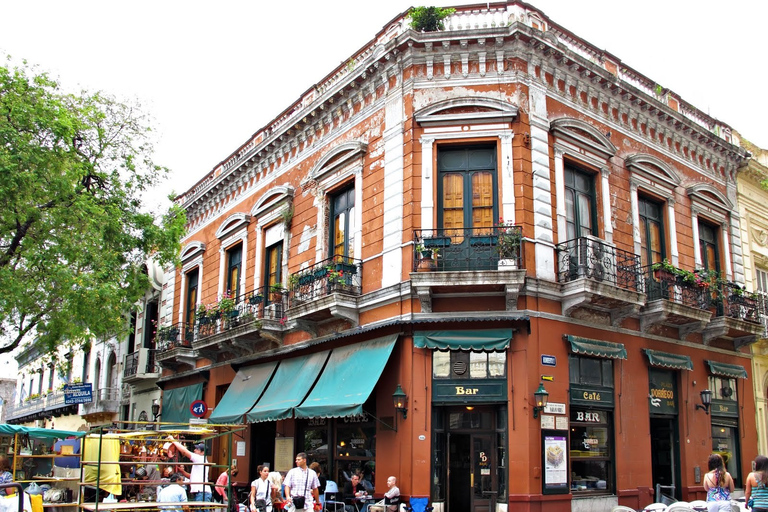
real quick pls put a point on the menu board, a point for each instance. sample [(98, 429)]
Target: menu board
[(283, 454), (555, 463)]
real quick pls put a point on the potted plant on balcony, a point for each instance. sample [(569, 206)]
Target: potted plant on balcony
[(227, 305), (427, 258), (664, 270), (508, 244), (255, 299), (276, 292)]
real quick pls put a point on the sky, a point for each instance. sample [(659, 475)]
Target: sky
[(213, 73)]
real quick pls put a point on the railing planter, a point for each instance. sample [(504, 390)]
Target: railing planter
[(346, 268), (306, 279), (255, 299), (438, 241), (484, 240)]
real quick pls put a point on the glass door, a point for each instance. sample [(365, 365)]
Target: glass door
[(483, 474)]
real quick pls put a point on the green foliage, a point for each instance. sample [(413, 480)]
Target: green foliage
[(429, 19), (74, 237)]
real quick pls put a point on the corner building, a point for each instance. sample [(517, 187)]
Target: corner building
[(470, 216)]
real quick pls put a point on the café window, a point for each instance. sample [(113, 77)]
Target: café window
[(356, 448), (723, 388), (315, 434), (591, 371), (469, 365), (591, 450)]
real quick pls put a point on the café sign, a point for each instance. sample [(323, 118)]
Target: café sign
[(465, 391), (662, 392)]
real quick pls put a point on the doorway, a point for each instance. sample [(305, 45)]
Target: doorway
[(471, 453), (665, 455)]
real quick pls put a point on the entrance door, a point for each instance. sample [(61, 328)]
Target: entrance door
[(471, 473), (664, 455)]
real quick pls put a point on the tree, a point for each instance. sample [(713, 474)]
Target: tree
[(74, 235)]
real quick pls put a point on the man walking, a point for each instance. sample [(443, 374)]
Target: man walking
[(301, 485)]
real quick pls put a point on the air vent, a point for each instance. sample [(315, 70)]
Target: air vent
[(459, 367)]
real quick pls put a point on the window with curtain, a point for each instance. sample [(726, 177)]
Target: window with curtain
[(191, 299), (651, 232), (710, 257), (343, 223), (274, 263), (234, 263), (580, 209)]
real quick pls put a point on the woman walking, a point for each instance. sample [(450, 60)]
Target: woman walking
[(718, 484), (261, 491), (757, 485)]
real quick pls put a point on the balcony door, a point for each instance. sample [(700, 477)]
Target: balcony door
[(467, 206)]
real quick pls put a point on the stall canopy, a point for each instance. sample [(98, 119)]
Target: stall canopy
[(292, 381), (481, 340), (245, 390), (597, 348), (666, 360), (348, 379), (176, 403), (37, 433), (733, 371)]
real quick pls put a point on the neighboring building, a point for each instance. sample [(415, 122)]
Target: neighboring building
[(753, 209), (547, 177), (7, 391)]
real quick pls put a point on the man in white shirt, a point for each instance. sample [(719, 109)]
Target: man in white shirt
[(302, 482), (198, 477), (173, 493), (392, 496)]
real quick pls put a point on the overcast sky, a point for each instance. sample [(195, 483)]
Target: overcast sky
[(211, 74)]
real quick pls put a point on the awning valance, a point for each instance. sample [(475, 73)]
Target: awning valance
[(667, 360), (348, 379), (289, 387), (481, 340), (245, 390), (37, 433), (733, 371), (176, 403), (597, 348)]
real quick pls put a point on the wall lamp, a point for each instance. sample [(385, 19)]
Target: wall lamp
[(155, 409), (706, 400), (540, 397), (400, 401)]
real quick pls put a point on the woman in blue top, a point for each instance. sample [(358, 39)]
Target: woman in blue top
[(757, 485), (718, 484), (5, 473)]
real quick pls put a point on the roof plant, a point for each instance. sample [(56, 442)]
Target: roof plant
[(429, 19)]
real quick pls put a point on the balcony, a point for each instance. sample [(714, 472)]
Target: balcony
[(106, 401), (174, 347), (451, 264), (736, 315), (38, 407), (141, 365), (673, 302), (329, 289), (597, 278)]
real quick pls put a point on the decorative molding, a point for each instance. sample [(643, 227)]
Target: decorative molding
[(233, 223), (192, 250)]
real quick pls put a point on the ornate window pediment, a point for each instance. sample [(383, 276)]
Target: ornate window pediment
[(583, 135), (233, 223), (653, 169), (466, 110), (192, 250), (274, 197), (710, 198), (346, 155)]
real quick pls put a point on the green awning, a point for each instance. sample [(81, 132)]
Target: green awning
[(243, 392), (667, 360), (289, 387), (348, 379), (481, 340), (176, 403), (733, 371), (597, 348), (37, 433)]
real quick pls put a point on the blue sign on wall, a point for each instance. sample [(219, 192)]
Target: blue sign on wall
[(548, 360), (78, 394)]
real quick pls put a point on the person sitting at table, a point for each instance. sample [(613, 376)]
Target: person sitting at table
[(392, 496), (173, 493), (151, 475), (354, 494)]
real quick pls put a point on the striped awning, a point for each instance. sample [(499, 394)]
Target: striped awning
[(733, 371), (667, 360), (596, 348)]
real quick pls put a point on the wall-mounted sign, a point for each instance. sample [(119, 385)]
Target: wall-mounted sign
[(554, 408), (78, 393), (724, 408), (198, 408), (555, 463), (662, 391), (548, 360), (465, 391), (591, 396)]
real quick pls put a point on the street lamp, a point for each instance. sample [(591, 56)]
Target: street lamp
[(540, 398), (400, 401), (706, 400), (155, 409)]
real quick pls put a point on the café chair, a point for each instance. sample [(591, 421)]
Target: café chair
[(622, 508), (331, 498)]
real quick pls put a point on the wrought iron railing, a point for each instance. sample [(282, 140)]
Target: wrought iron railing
[(337, 274), (131, 364), (151, 361), (664, 285), (735, 302), (592, 258), (466, 249)]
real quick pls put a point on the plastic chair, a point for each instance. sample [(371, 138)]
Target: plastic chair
[(331, 498), (622, 508), (698, 505), (680, 506), (419, 505), (655, 507)]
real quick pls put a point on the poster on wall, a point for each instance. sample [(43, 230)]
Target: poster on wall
[(555, 464)]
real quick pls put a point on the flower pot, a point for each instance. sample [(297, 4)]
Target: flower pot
[(426, 265), (255, 299), (663, 275)]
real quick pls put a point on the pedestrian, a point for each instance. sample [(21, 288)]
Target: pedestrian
[(278, 491), (173, 493), (301, 485), (261, 491), (392, 496), (198, 477), (718, 484), (222, 484), (757, 485)]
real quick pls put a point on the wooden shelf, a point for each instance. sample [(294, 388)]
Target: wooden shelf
[(51, 505)]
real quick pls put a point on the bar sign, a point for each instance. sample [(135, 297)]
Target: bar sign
[(548, 360)]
